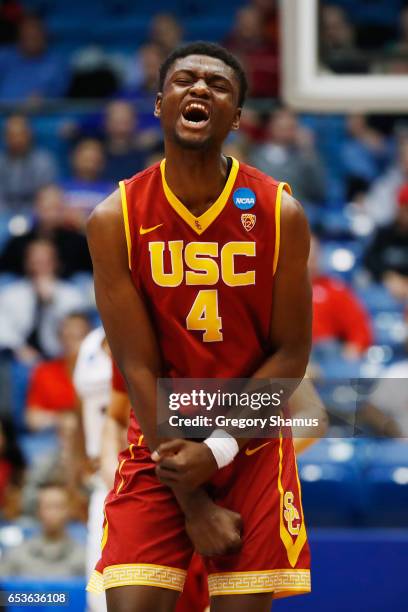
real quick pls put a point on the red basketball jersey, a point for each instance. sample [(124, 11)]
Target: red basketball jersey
[(207, 281)]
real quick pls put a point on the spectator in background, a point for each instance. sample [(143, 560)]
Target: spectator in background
[(51, 393), (71, 245), (12, 466), (32, 308), (143, 87), (365, 154), (53, 553), (257, 53), (87, 186), (55, 462), (166, 33), (289, 155), (126, 149), (30, 72), (23, 168), (268, 11), (387, 256), (337, 313), (380, 202), (337, 42)]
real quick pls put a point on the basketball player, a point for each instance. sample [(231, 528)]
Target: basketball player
[(189, 285), (304, 402)]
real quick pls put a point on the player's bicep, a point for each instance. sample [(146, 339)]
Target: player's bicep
[(126, 322), (292, 293)]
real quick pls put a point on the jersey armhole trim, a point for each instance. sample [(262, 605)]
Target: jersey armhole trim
[(278, 206), (125, 213)]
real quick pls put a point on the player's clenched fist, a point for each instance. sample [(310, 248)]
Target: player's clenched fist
[(184, 463)]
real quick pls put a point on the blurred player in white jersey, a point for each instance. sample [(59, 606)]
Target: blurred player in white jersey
[(92, 380)]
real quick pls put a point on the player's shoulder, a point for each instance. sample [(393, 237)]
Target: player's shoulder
[(110, 209), (140, 177), (261, 182), (255, 176)]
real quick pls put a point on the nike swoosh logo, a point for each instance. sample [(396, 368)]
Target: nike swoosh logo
[(252, 451), (146, 230)]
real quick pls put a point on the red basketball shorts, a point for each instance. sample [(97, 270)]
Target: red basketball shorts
[(145, 543)]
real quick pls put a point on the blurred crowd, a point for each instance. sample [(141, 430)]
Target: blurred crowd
[(367, 38), (350, 173)]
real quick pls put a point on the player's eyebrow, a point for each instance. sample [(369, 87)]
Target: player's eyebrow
[(209, 76)]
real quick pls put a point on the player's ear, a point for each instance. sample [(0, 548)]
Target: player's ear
[(157, 104), (237, 118)]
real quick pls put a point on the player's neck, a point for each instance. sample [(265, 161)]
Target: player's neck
[(196, 177)]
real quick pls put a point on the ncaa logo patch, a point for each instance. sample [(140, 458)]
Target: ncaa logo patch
[(244, 198), (248, 220)]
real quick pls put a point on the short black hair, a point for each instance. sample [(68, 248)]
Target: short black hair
[(201, 47)]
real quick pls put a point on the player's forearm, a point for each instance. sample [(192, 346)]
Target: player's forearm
[(286, 363), (191, 502), (142, 387)]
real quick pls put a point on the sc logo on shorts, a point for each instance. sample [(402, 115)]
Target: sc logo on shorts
[(244, 198)]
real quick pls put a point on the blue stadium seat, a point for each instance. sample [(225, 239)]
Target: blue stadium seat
[(386, 483), (124, 8), (378, 299), (341, 258), (92, 10), (207, 28), (387, 496), (330, 483), (389, 328)]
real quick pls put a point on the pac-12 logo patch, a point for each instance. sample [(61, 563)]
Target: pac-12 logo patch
[(248, 221), (244, 198)]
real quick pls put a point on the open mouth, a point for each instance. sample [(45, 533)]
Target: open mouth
[(195, 114)]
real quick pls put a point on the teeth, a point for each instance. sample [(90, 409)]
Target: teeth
[(195, 105)]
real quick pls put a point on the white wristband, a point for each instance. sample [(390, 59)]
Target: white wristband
[(223, 446)]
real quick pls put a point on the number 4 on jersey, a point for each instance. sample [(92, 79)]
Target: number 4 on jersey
[(203, 316)]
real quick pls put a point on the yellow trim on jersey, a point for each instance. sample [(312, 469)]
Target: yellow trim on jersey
[(105, 532), (282, 582), (146, 574), (200, 224), (122, 463), (293, 547), (278, 206), (125, 213)]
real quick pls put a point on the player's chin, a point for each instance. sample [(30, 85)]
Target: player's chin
[(193, 140)]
